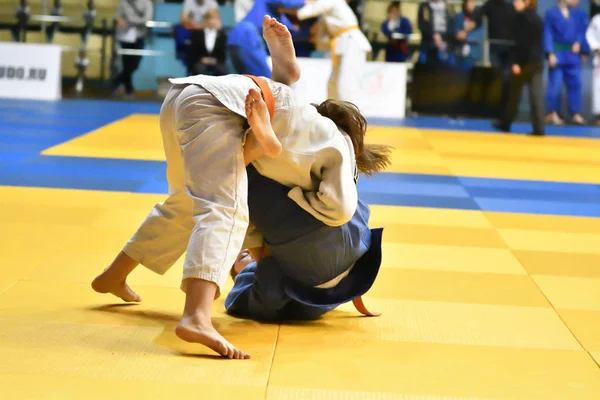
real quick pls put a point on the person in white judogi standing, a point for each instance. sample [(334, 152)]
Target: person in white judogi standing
[(349, 46), (593, 38)]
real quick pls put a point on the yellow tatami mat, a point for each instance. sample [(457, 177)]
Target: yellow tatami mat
[(476, 304), (470, 311)]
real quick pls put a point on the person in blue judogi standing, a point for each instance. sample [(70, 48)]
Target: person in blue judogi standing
[(245, 43), (396, 29), (564, 42), (311, 268)]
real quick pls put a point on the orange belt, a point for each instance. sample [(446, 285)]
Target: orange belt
[(360, 307), (266, 92), (334, 56)]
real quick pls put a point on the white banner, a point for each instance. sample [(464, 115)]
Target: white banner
[(30, 71), (382, 93)]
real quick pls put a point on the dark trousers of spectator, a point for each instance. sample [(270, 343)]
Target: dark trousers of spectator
[(216, 70), (532, 76), (130, 65), (500, 57)]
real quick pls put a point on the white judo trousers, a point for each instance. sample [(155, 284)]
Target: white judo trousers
[(207, 210), (347, 71), (593, 38)]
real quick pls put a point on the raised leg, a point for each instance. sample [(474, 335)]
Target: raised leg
[(286, 69)]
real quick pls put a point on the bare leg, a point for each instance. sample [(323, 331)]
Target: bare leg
[(286, 69), (113, 279), (196, 326)]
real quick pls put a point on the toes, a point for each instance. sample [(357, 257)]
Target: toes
[(255, 94), (266, 20)]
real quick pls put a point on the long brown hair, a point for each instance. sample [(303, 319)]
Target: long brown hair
[(370, 158)]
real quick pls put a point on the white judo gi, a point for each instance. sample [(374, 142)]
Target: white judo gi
[(593, 38), (349, 47), (202, 124)]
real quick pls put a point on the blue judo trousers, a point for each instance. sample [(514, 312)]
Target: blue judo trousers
[(560, 34)]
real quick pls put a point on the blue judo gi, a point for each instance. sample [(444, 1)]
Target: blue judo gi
[(304, 253), (246, 47), (560, 34), (397, 49)]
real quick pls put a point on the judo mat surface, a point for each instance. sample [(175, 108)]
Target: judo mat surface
[(490, 286)]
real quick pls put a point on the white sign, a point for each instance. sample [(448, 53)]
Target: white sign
[(382, 87), (30, 71)]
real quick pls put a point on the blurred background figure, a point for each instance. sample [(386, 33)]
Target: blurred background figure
[(593, 39), (245, 44), (564, 42), (594, 8), (500, 17), (241, 8), (396, 29), (436, 23), (349, 46), (467, 47), (131, 17), (192, 14), (527, 67), (208, 48)]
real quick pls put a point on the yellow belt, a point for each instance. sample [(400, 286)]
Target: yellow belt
[(334, 56)]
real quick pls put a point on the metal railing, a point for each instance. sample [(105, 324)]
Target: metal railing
[(50, 24), (85, 27)]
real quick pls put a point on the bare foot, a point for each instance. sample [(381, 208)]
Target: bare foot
[(205, 334), (286, 69), (252, 149), (258, 119), (105, 283), (579, 120)]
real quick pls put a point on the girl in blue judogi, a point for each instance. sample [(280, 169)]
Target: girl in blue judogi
[(310, 268), (564, 42)]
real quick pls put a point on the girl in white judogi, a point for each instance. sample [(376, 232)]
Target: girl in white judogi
[(349, 46), (593, 38), (203, 125)]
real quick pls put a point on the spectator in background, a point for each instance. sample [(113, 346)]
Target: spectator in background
[(467, 49), (594, 8), (527, 66), (241, 8), (193, 12), (564, 42), (304, 36), (500, 16), (131, 17), (208, 48), (593, 39), (396, 28), (245, 43), (357, 7), (436, 23)]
